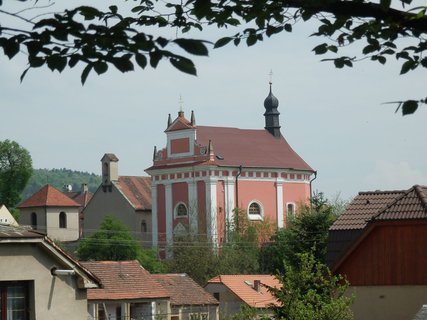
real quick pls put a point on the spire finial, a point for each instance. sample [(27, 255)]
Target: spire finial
[(193, 118), (270, 76), (154, 153), (181, 102), (169, 120)]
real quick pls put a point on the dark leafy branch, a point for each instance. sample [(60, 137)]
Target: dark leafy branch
[(101, 39)]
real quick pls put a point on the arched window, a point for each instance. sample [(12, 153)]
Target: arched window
[(34, 220), (290, 209), (63, 220), (181, 210), (143, 226), (255, 211)]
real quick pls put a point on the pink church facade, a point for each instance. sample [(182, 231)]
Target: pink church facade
[(204, 173)]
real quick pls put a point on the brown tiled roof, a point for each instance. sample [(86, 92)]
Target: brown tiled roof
[(242, 287), (183, 290), (363, 207), (123, 280), (137, 190), (410, 205), (80, 197), (48, 196), (250, 148)]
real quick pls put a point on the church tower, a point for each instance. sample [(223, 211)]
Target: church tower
[(272, 115)]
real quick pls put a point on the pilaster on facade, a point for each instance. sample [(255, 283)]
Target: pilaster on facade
[(279, 201), (211, 211), (229, 200), (154, 216), (169, 219), (193, 207)]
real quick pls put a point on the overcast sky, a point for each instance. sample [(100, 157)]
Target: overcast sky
[(334, 119)]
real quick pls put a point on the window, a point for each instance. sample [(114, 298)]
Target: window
[(199, 316), (62, 220), (290, 209), (143, 226), (255, 211), (216, 295), (14, 300), (34, 220), (181, 210)]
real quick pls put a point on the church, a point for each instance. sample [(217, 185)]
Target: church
[(205, 172)]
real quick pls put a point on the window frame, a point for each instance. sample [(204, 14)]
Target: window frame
[(294, 208), (256, 216), (62, 220), (4, 286), (175, 211), (33, 219)]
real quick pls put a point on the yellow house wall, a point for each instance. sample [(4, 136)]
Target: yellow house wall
[(52, 297), (387, 302)]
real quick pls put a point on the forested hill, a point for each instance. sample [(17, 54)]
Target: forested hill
[(60, 177)]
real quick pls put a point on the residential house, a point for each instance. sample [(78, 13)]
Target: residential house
[(188, 300), (6, 217), (205, 172), (236, 291), (38, 279), (379, 244), (52, 212), (127, 198), (128, 292)]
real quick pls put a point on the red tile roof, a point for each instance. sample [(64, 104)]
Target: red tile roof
[(180, 123), (137, 190), (48, 196), (243, 287), (123, 280), (183, 290), (250, 148)]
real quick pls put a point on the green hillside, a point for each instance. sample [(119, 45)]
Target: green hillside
[(60, 177)]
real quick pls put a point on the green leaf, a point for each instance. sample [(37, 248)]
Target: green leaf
[(56, 62), (222, 42), (35, 62), (10, 48), (385, 3), (184, 65), (113, 10), (339, 63), (288, 27), (382, 59), (100, 67), (321, 48), (408, 65), (155, 57), (123, 63), (141, 60), (85, 73), (24, 73), (251, 40), (409, 107), (333, 49), (193, 46), (73, 60)]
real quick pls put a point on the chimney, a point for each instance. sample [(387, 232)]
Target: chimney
[(84, 188), (257, 285)]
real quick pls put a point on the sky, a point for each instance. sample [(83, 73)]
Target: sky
[(334, 119)]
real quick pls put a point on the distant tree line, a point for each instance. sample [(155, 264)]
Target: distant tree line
[(60, 177)]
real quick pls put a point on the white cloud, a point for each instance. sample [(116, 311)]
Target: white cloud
[(389, 175)]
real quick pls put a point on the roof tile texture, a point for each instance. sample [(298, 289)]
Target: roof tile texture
[(183, 290), (123, 280), (48, 196), (242, 287), (250, 148), (137, 190)]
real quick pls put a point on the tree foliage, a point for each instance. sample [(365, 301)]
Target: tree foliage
[(99, 38), (239, 254), (60, 177), (15, 171), (115, 242), (309, 291), (306, 232)]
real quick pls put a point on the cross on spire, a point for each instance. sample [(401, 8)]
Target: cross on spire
[(181, 102), (270, 77)]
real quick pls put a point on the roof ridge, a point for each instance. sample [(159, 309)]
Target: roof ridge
[(419, 192), (381, 191)]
